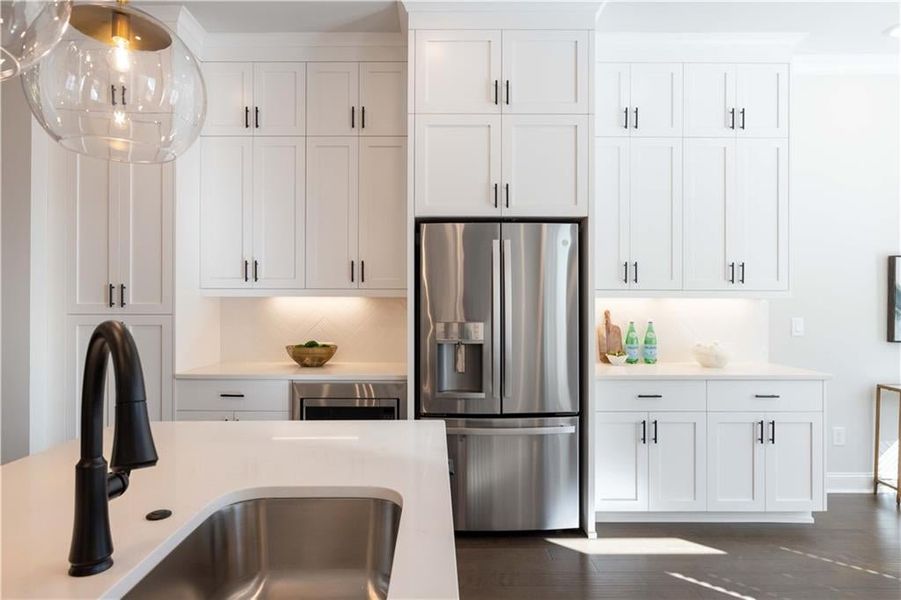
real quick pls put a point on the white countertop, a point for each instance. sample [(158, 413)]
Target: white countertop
[(695, 371), (288, 370), (204, 466)]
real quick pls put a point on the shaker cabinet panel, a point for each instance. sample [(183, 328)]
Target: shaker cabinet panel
[(333, 91), (383, 99), (611, 93), (612, 218), (545, 72), (794, 462), (656, 99), (279, 98), (458, 71), (229, 92), (621, 461), (710, 103), (736, 461), (677, 461), (93, 234), (762, 97), (383, 212)]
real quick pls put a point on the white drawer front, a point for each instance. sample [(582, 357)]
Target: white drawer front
[(232, 394), (651, 395), (770, 396)]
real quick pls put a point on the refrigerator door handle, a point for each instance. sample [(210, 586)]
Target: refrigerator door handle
[(495, 318), (553, 430), (508, 311)]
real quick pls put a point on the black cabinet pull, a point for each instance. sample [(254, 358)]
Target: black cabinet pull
[(732, 119), (507, 85), (507, 193), (256, 117), (121, 295), (351, 271), (112, 302), (231, 395), (122, 94), (650, 395), (626, 272), (655, 431), (741, 278), (246, 117), (767, 396), (742, 118), (256, 270), (112, 91), (245, 270), (635, 272), (773, 432), (495, 195), (496, 96), (353, 116), (362, 271), (635, 124), (362, 117), (626, 118), (644, 432), (732, 272), (760, 439)]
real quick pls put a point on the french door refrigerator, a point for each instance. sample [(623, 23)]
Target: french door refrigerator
[(498, 360)]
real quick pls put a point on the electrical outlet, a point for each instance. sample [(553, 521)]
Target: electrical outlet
[(838, 436), (797, 326)]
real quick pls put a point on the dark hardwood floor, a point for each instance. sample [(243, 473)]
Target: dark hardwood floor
[(852, 551)]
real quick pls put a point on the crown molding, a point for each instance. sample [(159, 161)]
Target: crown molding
[(429, 14), (697, 47)]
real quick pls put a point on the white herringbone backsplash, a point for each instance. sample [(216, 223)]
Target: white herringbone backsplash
[(365, 329)]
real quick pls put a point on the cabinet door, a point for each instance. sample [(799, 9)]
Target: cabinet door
[(612, 217), (92, 236), (759, 221), (611, 111), (226, 211), (655, 184), (545, 165), (332, 96), (677, 461), (794, 461), (656, 99), (458, 71), (383, 212), (710, 100), (709, 192), (457, 165), (383, 98), (762, 98), (279, 189), (331, 223), (229, 92), (279, 97), (735, 461), (145, 245), (205, 415), (621, 461), (545, 72), (261, 415)]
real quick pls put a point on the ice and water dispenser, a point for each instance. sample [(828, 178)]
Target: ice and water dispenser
[(460, 348)]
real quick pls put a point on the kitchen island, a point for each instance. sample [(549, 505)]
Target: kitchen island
[(204, 466)]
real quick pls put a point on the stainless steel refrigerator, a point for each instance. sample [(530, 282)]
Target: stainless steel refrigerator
[(498, 360)]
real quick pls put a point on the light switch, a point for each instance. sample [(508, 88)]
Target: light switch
[(797, 326), (838, 436)]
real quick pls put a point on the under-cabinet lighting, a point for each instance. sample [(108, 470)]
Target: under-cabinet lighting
[(633, 546)]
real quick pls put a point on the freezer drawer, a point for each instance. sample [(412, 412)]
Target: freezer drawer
[(514, 474)]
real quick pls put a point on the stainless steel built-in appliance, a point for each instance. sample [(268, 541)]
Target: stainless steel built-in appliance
[(348, 401), (498, 360)]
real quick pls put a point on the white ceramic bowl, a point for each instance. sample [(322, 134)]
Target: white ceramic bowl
[(617, 361), (712, 356)]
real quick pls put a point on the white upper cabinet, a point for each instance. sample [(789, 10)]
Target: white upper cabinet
[(655, 186), (383, 212), (279, 93), (458, 71), (545, 72), (736, 461), (120, 237), (545, 165), (279, 188), (655, 106), (762, 98), (611, 111), (458, 165), (226, 212), (333, 90), (332, 211), (745, 100), (710, 104), (612, 219), (229, 92), (383, 99), (677, 461)]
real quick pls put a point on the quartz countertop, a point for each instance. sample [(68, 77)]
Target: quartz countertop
[(688, 370), (288, 370), (205, 466)]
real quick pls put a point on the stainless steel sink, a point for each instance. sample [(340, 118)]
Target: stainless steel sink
[(282, 548)]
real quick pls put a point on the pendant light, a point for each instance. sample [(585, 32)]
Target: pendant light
[(29, 29), (119, 86)]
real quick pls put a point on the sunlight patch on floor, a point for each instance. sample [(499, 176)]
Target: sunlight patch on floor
[(709, 586), (631, 546), (840, 563)]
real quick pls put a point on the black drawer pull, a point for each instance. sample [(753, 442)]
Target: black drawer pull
[(650, 395), (231, 395), (767, 396)]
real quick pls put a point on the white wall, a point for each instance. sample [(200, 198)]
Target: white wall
[(365, 329), (845, 215)]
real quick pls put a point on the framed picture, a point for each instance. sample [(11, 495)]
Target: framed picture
[(894, 298)]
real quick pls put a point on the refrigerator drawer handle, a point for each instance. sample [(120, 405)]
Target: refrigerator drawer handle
[(557, 430)]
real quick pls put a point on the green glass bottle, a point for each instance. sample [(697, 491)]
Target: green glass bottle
[(631, 344), (650, 344)]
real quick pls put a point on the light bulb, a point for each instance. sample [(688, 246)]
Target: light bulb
[(121, 56)]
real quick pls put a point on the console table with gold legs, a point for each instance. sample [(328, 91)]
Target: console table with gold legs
[(888, 387)]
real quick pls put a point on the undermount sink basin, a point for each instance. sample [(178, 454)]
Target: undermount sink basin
[(282, 548)]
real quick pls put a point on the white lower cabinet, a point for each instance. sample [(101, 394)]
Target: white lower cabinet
[(227, 415), (758, 448), (232, 400)]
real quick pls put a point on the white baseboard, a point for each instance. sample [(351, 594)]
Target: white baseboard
[(850, 483), (704, 517)]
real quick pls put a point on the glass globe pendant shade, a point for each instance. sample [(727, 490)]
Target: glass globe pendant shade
[(29, 29), (119, 86)]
